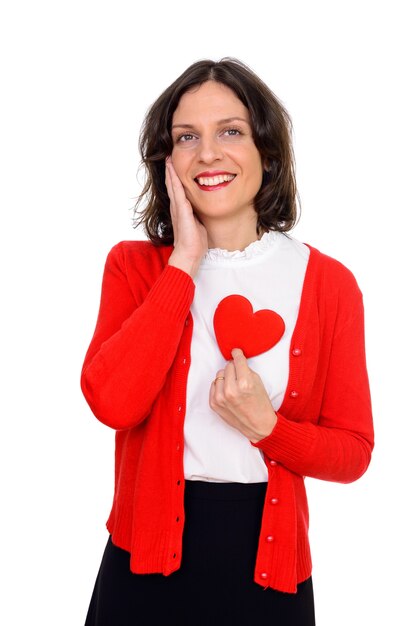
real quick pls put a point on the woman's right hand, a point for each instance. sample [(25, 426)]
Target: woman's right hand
[(190, 235)]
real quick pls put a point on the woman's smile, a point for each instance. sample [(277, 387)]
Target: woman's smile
[(211, 181)]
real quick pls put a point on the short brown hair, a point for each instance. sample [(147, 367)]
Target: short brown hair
[(276, 202)]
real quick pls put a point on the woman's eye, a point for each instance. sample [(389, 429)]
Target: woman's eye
[(185, 137), (233, 132)]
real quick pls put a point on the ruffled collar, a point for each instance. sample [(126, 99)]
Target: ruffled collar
[(254, 249)]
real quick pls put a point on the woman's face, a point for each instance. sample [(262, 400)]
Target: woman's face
[(214, 154)]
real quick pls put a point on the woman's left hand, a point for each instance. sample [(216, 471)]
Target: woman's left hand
[(242, 400)]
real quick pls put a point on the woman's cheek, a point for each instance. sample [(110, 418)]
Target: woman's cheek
[(180, 166)]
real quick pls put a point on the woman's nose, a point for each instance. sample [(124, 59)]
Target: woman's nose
[(209, 150)]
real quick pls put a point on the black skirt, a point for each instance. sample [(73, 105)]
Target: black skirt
[(214, 585)]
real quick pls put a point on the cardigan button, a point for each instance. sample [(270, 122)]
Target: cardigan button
[(272, 462), (296, 351), (264, 575), (294, 394), (274, 501), (270, 539)]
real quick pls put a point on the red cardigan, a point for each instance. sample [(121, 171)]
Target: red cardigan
[(134, 379)]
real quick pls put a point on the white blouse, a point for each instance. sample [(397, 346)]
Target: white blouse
[(270, 274)]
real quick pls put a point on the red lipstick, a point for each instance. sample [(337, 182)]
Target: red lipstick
[(212, 175)]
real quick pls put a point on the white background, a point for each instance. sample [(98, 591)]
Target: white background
[(76, 80)]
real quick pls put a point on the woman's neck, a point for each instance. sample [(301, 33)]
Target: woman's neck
[(232, 237)]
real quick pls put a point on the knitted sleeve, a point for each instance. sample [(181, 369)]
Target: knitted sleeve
[(338, 447), (135, 339)]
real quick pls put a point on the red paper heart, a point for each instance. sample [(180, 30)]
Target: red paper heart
[(237, 326)]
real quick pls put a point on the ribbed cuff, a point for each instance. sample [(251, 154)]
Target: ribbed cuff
[(173, 291), (289, 442)]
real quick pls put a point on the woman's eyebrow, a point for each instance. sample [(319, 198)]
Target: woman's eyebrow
[(227, 120)]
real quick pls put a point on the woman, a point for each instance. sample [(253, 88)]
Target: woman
[(229, 358)]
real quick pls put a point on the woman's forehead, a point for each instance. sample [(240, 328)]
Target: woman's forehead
[(210, 102)]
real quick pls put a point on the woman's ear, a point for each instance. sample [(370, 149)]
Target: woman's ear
[(266, 165)]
